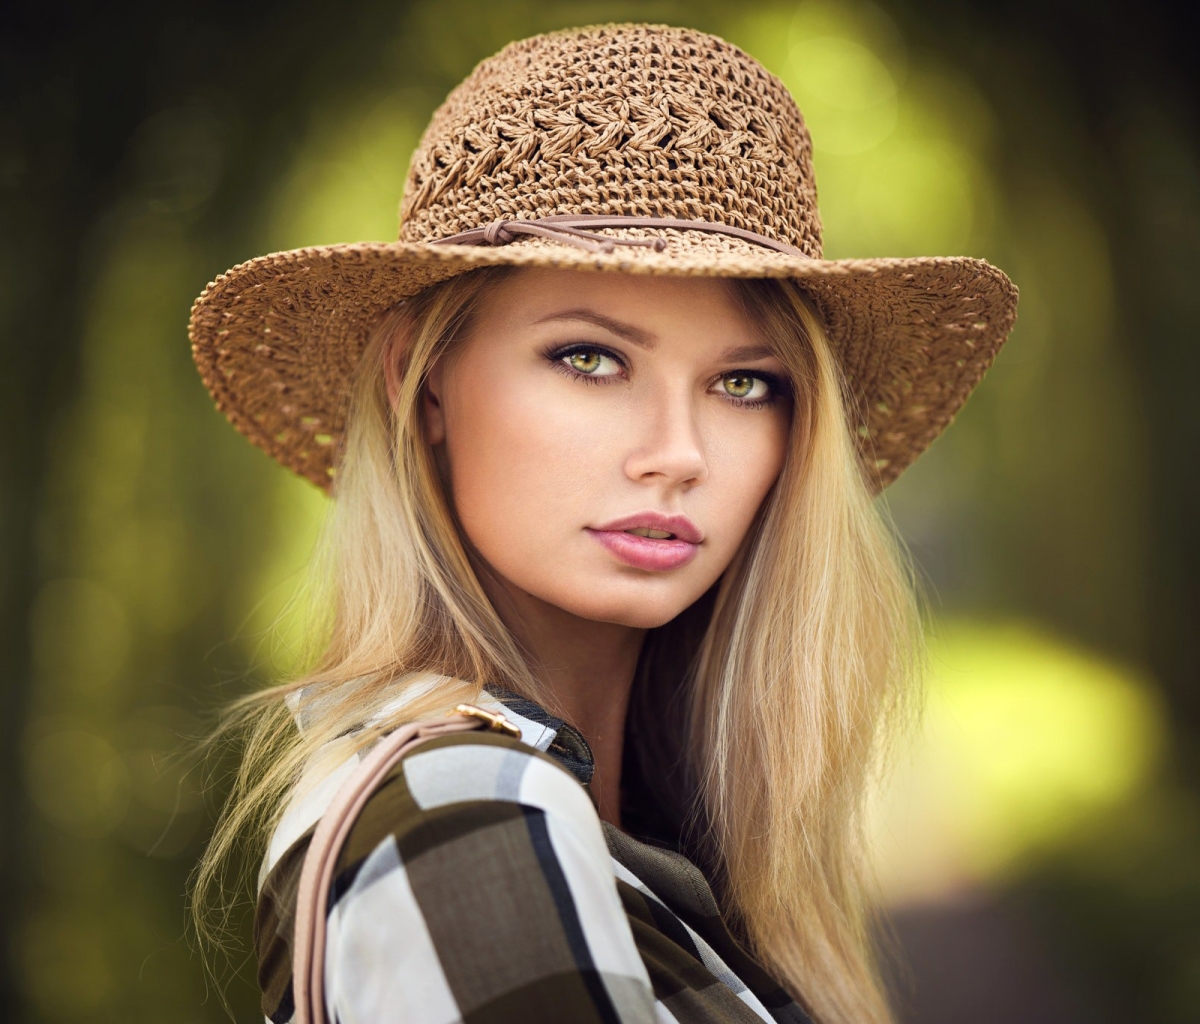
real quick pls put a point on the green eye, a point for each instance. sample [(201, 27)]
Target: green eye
[(739, 386), (748, 387), (585, 362)]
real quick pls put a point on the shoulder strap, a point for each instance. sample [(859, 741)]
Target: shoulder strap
[(316, 876)]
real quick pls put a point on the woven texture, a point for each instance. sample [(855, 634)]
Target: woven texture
[(619, 120), (636, 121)]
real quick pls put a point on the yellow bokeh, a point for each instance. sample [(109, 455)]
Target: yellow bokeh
[(1026, 738), (847, 94), (345, 182), (900, 153)]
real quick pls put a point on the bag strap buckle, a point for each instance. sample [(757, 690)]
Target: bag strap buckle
[(492, 720)]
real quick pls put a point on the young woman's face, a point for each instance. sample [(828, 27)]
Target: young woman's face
[(609, 437)]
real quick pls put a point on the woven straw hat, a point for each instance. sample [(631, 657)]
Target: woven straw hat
[(628, 148)]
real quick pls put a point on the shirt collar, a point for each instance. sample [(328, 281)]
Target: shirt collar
[(542, 730)]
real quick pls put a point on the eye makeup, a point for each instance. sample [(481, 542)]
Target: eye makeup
[(573, 360), (777, 388), (584, 361)]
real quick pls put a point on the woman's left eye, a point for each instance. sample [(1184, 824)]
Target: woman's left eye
[(745, 387)]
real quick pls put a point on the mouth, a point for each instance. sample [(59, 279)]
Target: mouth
[(654, 525), (651, 541)]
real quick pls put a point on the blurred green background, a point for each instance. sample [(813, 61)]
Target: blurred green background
[(1040, 842)]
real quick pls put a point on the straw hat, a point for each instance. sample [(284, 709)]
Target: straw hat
[(630, 148)]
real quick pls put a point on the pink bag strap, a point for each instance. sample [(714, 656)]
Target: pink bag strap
[(316, 876)]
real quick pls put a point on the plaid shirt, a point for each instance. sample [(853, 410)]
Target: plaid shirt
[(480, 885)]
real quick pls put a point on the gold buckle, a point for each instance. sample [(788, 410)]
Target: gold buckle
[(494, 721)]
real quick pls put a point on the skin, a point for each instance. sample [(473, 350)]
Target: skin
[(544, 446)]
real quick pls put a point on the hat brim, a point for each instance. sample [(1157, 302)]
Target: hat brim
[(277, 339)]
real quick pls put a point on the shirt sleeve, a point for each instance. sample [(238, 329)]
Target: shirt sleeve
[(476, 886)]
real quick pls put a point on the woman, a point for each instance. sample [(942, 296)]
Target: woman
[(603, 432)]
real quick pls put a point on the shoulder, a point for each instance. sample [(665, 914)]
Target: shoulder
[(448, 770), (453, 788), (486, 766), (477, 877), (463, 814), (449, 775)]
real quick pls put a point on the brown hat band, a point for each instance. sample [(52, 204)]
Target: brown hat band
[(576, 229)]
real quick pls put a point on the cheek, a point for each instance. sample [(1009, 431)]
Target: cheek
[(524, 463), (745, 455)]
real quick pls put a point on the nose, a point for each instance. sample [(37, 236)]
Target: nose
[(668, 444)]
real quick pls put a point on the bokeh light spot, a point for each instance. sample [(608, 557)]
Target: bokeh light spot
[(918, 199), (1026, 739), (846, 93), (77, 780)]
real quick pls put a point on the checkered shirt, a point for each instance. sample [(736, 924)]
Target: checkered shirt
[(479, 885)]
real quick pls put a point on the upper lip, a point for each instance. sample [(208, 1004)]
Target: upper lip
[(681, 526)]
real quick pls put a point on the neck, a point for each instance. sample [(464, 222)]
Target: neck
[(589, 668)]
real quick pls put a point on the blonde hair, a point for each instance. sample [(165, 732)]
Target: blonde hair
[(774, 689)]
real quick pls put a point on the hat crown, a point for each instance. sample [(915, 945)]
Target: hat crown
[(626, 120)]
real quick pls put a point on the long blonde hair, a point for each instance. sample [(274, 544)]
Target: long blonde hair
[(769, 697)]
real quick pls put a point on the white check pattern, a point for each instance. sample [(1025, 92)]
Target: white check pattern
[(385, 962)]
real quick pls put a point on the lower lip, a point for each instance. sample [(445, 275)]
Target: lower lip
[(647, 553)]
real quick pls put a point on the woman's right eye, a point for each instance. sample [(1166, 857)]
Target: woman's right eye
[(592, 363)]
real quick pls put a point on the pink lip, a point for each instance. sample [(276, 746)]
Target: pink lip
[(647, 552)]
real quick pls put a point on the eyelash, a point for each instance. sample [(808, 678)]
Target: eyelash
[(557, 355), (779, 387)]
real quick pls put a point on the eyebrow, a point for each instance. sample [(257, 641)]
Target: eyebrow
[(636, 335), (645, 339), (747, 353)]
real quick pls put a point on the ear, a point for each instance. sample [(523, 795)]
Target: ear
[(431, 405)]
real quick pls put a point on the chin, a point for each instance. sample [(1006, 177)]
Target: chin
[(646, 611)]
